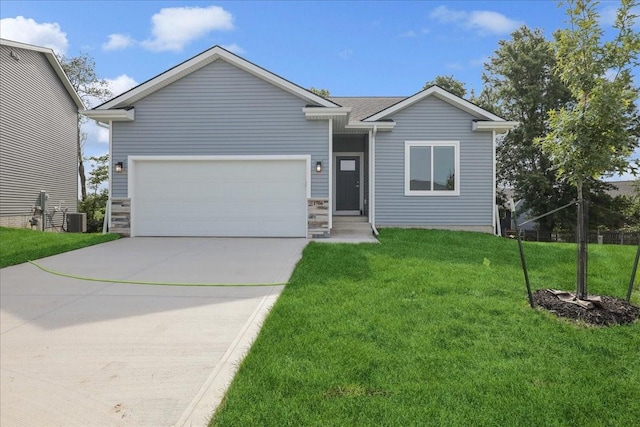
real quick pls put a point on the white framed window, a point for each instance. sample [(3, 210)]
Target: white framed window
[(432, 168)]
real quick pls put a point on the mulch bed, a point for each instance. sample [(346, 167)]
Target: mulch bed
[(612, 311)]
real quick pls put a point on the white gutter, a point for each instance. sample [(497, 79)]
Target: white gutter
[(107, 212), (495, 126), (372, 183), (381, 126), (107, 116)]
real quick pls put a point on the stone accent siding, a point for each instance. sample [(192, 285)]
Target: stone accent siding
[(318, 218), (18, 221), (120, 216)]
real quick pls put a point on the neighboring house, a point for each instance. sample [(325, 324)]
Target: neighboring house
[(38, 137), (524, 217), (620, 188), (218, 146), (624, 188)]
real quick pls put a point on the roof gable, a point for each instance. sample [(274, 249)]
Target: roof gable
[(55, 64), (438, 92), (197, 62)]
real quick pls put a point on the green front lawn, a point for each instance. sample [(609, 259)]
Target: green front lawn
[(20, 245), (422, 330)]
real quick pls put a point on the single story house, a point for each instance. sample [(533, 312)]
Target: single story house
[(38, 138), (218, 146)]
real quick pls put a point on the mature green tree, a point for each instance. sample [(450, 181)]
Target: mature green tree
[(448, 83), (90, 88), (320, 92), (94, 204), (520, 85), (597, 132)]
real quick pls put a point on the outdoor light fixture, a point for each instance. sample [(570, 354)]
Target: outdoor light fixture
[(319, 167), (119, 167)]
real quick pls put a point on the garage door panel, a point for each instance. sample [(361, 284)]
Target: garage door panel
[(219, 198)]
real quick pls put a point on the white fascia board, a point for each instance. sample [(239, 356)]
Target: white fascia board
[(382, 126), (498, 126), (106, 116), (442, 94), (325, 113), (55, 64), (200, 61)]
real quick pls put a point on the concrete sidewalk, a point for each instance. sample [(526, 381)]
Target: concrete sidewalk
[(85, 353)]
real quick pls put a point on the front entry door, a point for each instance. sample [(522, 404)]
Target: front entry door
[(348, 183)]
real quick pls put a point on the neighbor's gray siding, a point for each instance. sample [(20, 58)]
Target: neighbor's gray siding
[(37, 136), (221, 110), (435, 120)]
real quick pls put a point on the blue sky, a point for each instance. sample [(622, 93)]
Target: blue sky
[(356, 48)]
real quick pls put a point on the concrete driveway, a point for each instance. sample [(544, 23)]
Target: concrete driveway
[(75, 352)]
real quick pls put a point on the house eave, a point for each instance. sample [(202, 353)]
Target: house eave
[(325, 113), (381, 126), (106, 116), (494, 126)]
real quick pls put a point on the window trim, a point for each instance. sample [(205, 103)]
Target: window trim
[(407, 167)]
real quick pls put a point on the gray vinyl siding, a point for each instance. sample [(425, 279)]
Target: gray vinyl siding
[(37, 136), (221, 110), (434, 120)]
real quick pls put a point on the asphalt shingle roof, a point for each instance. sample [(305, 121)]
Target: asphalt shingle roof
[(365, 106)]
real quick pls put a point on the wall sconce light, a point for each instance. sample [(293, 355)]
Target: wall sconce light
[(319, 167), (119, 167)]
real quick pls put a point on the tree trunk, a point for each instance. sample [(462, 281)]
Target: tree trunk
[(581, 231), (81, 174)]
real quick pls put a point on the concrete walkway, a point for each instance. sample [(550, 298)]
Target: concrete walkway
[(80, 353)]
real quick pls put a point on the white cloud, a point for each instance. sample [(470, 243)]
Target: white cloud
[(492, 22), (481, 21), (117, 42), (408, 34), (454, 66), (26, 30), (95, 133), (346, 54), (233, 48), (121, 84), (445, 15), (609, 14), (173, 28)]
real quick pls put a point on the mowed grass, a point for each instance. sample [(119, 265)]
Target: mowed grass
[(20, 245), (419, 330)]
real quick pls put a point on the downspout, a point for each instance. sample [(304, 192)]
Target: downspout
[(372, 184), (107, 212), (330, 169), (495, 216)]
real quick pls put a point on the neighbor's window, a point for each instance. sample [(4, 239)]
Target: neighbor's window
[(431, 168)]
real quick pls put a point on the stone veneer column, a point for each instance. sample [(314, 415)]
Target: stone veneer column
[(120, 216), (318, 218)]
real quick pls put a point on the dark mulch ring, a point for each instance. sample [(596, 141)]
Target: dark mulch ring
[(612, 311)]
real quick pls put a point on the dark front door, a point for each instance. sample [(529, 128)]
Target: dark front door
[(347, 183)]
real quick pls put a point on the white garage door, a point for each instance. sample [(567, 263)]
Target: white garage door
[(256, 198)]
